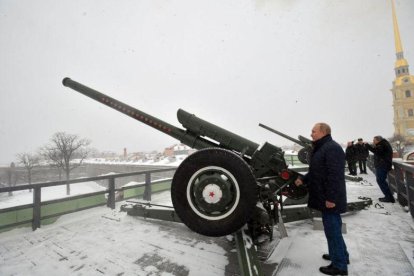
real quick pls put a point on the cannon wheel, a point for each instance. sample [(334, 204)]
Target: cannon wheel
[(214, 192), (304, 155)]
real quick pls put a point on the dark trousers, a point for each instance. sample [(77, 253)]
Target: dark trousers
[(332, 224), (352, 167), (381, 175), (362, 166)]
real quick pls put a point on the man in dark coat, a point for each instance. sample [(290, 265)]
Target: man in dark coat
[(382, 151), (362, 156), (351, 158), (327, 193)]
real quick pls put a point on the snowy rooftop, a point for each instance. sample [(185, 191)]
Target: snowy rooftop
[(102, 241), (164, 161)]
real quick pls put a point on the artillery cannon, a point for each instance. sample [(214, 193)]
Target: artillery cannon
[(228, 182), (304, 154)]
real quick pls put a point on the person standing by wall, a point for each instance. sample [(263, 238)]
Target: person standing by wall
[(327, 193), (362, 156), (382, 151), (351, 158)]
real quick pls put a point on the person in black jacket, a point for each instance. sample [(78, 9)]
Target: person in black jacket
[(382, 151), (327, 193), (351, 158), (362, 156)]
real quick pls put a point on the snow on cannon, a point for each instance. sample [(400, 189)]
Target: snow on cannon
[(228, 182)]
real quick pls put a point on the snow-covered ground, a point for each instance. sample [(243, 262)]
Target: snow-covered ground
[(102, 241)]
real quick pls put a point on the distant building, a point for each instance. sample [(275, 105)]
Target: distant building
[(144, 156), (135, 156), (402, 89), (178, 149), (296, 147)]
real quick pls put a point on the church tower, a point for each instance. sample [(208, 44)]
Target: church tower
[(402, 89)]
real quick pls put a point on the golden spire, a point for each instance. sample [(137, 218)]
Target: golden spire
[(398, 44), (401, 65)]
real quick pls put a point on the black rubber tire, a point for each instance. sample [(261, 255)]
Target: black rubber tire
[(304, 155), (239, 213)]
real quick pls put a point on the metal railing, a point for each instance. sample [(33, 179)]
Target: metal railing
[(401, 182), (292, 159), (37, 217)]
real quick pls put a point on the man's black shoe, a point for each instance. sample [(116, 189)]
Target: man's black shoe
[(328, 258), (386, 199), (331, 270)]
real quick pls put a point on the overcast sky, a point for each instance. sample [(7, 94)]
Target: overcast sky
[(235, 63)]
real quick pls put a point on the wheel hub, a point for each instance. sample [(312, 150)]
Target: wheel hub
[(212, 193)]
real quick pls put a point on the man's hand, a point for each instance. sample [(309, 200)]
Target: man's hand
[(329, 204), (298, 181)]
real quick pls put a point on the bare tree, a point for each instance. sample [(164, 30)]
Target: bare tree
[(29, 161), (399, 144), (66, 152), (54, 157)]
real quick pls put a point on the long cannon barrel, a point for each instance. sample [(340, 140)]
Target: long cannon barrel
[(284, 135), (195, 127), (175, 132)]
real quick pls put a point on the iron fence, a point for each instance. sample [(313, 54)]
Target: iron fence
[(36, 217), (401, 182)]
